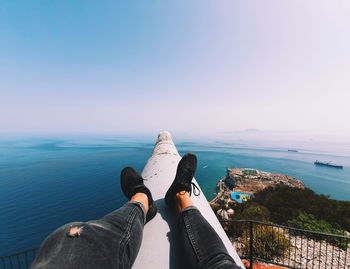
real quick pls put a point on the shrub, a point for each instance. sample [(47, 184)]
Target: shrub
[(251, 212), (254, 212), (268, 243), (309, 222)]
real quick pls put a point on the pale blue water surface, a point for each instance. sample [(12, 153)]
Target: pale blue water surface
[(45, 183)]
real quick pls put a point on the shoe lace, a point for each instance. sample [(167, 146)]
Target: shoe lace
[(196, 190)]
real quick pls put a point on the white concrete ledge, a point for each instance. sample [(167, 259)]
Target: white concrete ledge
[(159, 247)]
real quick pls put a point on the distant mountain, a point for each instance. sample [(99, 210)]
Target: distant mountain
[(251, 130), (245, 131)]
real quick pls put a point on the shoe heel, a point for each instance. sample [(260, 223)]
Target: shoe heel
[(152, 211)]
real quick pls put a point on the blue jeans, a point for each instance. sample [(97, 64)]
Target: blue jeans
[(202, 245), (114, 241)]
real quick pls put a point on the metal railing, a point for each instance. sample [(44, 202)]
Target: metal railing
[(259, 242), (20, 260)]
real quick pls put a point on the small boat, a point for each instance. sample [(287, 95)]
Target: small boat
[(293, 150), (205, 166), (329, 164)]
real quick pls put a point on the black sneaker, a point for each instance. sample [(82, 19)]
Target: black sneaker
[(132, 183), (183, 179)]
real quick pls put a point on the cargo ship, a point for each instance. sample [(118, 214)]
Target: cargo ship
[(328, 164)]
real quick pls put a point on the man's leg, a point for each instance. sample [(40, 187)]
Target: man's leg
[(202, 246), (111, 242)]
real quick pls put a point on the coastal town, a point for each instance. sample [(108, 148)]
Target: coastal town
[(240, 184)]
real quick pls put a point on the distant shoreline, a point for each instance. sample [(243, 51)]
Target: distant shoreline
[(247, 181)]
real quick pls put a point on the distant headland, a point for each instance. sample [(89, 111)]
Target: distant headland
[(241, 183)]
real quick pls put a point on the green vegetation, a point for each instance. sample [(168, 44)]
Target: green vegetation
[(250, 172), (284, 204), (309, 222), (268, 243), (254, 211), (299, 208)]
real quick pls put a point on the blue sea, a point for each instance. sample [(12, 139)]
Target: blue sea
[(47, 182)]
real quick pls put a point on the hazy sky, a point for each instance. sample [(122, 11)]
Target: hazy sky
[(185, 66)]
